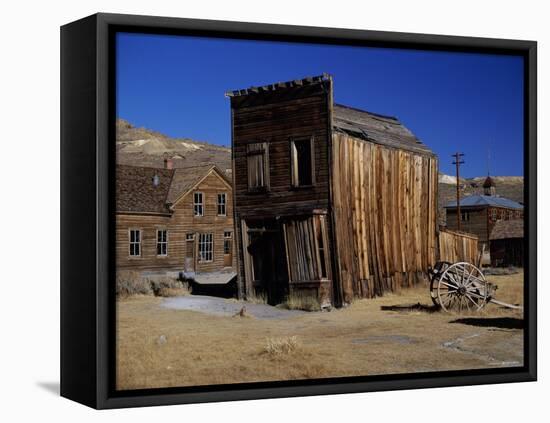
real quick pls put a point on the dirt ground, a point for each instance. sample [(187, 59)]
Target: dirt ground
[(159, 346)]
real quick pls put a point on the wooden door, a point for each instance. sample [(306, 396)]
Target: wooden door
[(227, 249), (190, 255)]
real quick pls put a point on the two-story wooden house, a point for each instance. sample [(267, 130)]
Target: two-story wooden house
[(330, 201), (174, 221)]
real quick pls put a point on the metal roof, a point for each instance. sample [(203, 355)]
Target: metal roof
[(373, 127), (485, 201)]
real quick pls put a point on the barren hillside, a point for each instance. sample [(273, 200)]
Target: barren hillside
[(144, 147)]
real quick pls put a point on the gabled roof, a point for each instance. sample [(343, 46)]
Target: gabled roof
[(485, 201), (186, 178), (505, 229), (380, 129), (137, 192)]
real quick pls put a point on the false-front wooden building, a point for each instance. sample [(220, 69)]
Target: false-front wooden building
[(330, 201), (174, 221), (480, 213)]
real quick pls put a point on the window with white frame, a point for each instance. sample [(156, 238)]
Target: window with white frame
[(222, 201), (205, 248), (135, 242), (198, 204), (190, 236), (162, 242)]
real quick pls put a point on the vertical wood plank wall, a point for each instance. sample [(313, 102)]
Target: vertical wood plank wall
[(384, 205), (457, 246)]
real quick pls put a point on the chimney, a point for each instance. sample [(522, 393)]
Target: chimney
[(168, 164)]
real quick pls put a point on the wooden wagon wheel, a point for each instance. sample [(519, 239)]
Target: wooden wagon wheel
[(462, 286), (439, 268)]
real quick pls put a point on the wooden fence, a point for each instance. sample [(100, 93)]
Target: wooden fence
[(458, 246)]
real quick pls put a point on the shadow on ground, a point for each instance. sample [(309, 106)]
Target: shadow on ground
[(51, 387), (411, 307), (494, 322)]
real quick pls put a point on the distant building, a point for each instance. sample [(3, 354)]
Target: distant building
[(506, 243), (174, 221), (480, 213)]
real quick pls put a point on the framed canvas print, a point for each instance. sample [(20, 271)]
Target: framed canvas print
[(257, 211)]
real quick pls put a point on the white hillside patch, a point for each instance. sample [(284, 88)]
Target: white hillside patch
[(447, 179), (190, 146)]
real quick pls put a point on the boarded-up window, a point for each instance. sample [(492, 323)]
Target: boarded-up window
[(135, 242), (198, 204), (306, 242), (162, 242), (258, 166), (205, 247), (222, 199), (302, 162)]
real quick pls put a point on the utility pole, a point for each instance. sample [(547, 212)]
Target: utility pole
[(458, 161)]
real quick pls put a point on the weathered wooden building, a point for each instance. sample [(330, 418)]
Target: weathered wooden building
[(174, 220), (506, 243), (330, 201), (480, 213)]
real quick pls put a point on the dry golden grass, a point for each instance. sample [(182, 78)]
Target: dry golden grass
[(398, 333)]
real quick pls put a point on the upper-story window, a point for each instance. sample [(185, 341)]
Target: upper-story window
[(198, 204), (258, 166), (222, 204), (162, 242), (302, 164), (135, 242)]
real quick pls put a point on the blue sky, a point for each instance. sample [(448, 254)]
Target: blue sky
[(451, 101)]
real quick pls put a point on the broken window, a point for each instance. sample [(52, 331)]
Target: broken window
[(162, 242), (205, 247), (258, 166), (135, 242), (198, 205), (306, 249), (302, 162)]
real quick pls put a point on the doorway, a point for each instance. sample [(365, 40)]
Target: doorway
[(268, 267), (189, 262)]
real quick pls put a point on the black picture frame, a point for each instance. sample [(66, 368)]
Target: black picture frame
[(87, 159)]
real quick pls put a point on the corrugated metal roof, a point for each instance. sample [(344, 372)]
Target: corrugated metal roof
[(380, 129), (485, 201)]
